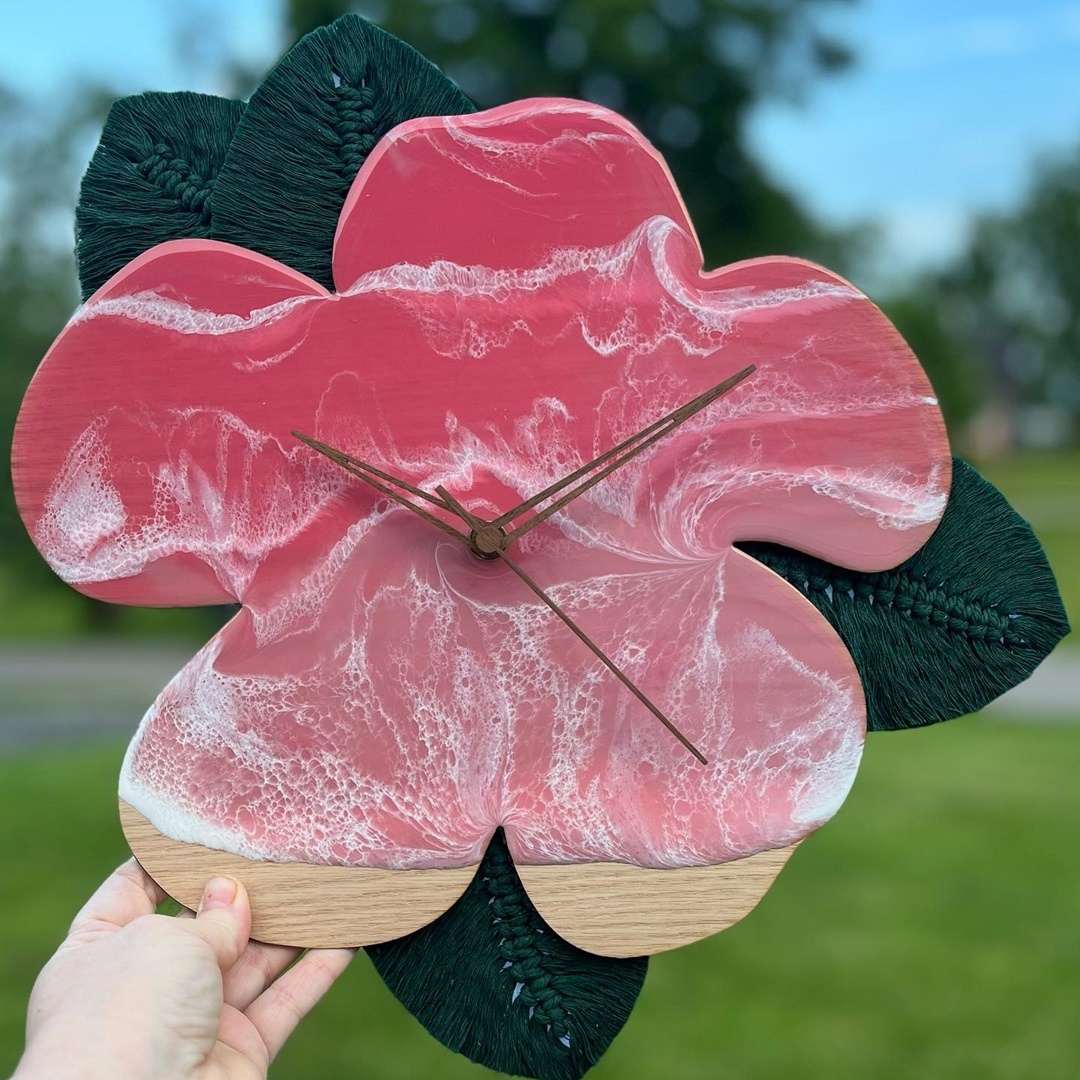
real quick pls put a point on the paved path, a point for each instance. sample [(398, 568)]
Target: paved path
[(63, 694), (1052, 693), (66, 693)]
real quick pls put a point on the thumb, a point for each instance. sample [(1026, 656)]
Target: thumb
[(223, 920)]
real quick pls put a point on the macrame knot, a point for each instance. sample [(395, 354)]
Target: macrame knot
[(356, 127), (520, 951), (173, 176), (894, 589)]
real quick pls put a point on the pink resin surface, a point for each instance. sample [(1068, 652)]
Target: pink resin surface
[(517, 291)]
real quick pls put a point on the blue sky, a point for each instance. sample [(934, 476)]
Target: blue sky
[(948, 106), (941, 118)]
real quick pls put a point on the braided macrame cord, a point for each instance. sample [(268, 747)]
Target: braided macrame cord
[(173, 175)]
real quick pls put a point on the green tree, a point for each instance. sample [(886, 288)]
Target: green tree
[(687, 72), (1015, 295), (41, 158)]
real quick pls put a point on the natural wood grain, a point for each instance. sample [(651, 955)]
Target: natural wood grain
[(619, 910), (607, 908), (298, 903)]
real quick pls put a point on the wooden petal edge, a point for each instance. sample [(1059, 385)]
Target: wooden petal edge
[(299, 903), (611, 909), (615, 909)]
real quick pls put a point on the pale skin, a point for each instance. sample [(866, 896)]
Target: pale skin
[(132, 994)]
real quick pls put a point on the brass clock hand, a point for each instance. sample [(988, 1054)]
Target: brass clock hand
[(481, 528), (362, 471), (672, 420), (682, 415)]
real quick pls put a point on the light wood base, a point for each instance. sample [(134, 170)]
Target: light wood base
[(608, 908), (299, 903), (619, 910)]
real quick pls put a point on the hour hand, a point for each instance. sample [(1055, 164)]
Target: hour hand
[(375, 477), (616, 457)]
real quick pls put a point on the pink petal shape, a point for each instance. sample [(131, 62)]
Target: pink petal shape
[(145, 465), (521, 291)]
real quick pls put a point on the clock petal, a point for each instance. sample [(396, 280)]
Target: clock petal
[(533, 185), (739, 661), (351, 722), (837, 447), (152, 462)]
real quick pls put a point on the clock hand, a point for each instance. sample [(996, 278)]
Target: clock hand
[(691, 408), (481, 527), (363, 471), (673, 418)]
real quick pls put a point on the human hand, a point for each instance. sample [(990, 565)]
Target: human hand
[(133, 994)]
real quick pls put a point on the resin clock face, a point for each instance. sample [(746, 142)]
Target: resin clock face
[(518, 291)]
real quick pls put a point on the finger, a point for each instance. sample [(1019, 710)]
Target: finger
[(122, 897), (259, 965), (223, 920), (276, 1013)]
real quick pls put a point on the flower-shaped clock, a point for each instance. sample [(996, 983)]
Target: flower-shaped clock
[(518, 292), (474, 467)]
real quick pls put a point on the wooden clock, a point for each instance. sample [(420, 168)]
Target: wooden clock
[(428, 650)]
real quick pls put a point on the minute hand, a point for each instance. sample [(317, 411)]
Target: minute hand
[(477, 524), (653, 432)]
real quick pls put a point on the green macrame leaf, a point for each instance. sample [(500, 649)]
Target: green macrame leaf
[(491, 980), (308, 129), (967, 617), (151, 178)]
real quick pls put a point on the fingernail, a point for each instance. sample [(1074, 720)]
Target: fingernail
[(220, 892)]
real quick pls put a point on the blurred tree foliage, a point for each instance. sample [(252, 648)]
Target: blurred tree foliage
[(685, 71), (41, 157), (1015, 295), (1001, 324)]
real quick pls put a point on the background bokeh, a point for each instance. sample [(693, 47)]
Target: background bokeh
[(929, 152)]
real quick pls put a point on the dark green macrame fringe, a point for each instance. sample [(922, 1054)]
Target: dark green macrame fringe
[(308, 129), (492, 981), (151, 179), (967, 617)]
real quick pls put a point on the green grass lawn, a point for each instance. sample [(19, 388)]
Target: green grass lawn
[(930, 931)]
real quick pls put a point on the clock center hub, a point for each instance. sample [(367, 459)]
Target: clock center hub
[(487, 541)]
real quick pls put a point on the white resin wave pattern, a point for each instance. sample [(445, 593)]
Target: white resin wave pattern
[(386, 699)]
